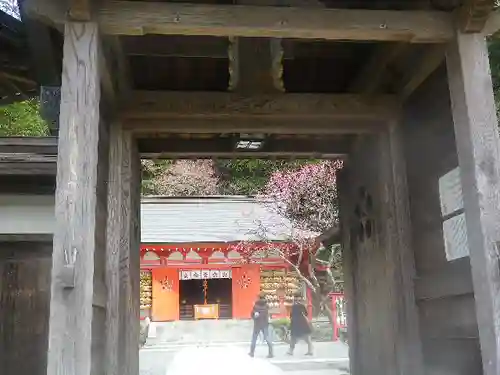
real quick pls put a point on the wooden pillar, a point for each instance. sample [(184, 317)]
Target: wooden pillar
[(123, 254), (378, 258), (478, 146), (409, 356), (78, 294), (349, 265)]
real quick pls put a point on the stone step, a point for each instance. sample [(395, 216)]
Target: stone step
[(200, 331)]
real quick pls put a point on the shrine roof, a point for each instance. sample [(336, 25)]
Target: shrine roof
[(211, 219)]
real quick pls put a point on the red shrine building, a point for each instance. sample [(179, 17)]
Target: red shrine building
[(203, 258)]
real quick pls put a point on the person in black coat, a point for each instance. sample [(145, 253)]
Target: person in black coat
[(300, 327), (260, 316)]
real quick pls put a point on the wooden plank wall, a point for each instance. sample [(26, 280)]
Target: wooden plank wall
[(443, 288), (25, 269)]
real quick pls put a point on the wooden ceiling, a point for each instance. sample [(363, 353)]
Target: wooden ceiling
[(187, 63), (399, 56), (175, 63), (380, 55), (202, 63)]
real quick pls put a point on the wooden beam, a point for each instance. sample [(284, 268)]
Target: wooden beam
[(155, 145), (15, 165), (225, 148), (153, 105), (255, 66), (18, 78), (120, 66), (473, 15), (80, 10), (76, 325), (35, 183), (107, 82), (145, 127), (30, 145), (122, 255), (117, 79), (421, 69), (478, 148), (141, 18), (24, 243), (492, 24), (369, 79)]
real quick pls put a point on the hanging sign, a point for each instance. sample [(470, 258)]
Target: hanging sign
[(203, 274), (226, 274), (214, 274)]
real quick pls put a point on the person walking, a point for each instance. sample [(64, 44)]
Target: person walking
[(144, 331), (260, 316), (300, 327)]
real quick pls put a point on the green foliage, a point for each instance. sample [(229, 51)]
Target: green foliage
[(494, 52), (235, 177), (151, 171), (281, 322), (249, 176), (22, 119)]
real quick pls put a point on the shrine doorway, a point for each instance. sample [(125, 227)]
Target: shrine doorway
[(219, 291), (205, 292), (190, 294)]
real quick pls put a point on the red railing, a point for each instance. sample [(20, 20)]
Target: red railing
[(339, 313)]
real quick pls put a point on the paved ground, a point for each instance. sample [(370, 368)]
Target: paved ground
[(318, 372), (330, 358)]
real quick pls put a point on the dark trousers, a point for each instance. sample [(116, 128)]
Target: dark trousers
[(306, 338), (265, 332)]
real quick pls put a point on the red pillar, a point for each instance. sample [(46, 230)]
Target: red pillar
[(309, 303)]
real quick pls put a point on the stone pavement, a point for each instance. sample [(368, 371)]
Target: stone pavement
[(214, 331), (319, 372), (330, 357)]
